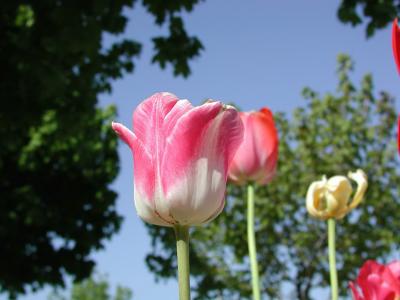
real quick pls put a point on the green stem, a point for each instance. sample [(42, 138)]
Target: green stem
[(182, 249), (332, 259), (251, 240)]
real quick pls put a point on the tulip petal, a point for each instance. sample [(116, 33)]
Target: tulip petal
[(125, 134), (194, 177), (337, 196), (184, 177), (394, 267), (362, 183), (396, 43), (314, 197), (377, 282), (182, 145), (152, 119), (156, 115), (146, 210), (355, 292), (267, 144)]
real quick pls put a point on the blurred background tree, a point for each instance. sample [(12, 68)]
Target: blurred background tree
[(333, 134), (58, 154), (93, 288), (377, 14)]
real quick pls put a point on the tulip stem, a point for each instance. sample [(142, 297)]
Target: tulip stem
[(182, 249), (251, 240), (332, 258)]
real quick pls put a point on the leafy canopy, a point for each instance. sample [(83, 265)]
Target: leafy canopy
[(331, 134), (377, 13), (58, 154)]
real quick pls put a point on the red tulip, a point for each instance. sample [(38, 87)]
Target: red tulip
[(396, 43), (256, 158), (181, 155), (377, 282)]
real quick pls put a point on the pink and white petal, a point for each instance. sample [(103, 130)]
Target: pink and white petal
[(205, 185), (146, 210), (182, 145), (143, 163), (148, 119), (178, 110), (125, 134), (144, 173), (198, 196), (179, 165), (216, 213)]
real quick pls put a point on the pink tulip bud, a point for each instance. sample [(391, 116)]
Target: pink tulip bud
[(377, 282), (256, 158), (181, 155)]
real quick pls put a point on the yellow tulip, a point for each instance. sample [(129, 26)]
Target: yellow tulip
[(330, 198)]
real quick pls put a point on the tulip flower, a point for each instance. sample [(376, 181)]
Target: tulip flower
[(377, 282), (255, 160), (181, 157), (328, 199), (396, 43)]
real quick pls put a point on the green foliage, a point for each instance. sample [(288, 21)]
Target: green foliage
[(379, 13), (332, 134), (58, 153), (93, 289)]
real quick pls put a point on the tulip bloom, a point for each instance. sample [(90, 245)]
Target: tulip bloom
[(330, 198), (377, 282), (396, 43), (181, 156), (255, 160)]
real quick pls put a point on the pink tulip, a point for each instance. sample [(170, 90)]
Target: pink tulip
[(181, 156), (256, 159), (377, 282)]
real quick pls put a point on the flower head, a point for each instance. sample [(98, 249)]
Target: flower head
[(377, 282), (257, 155), (181, 156), (330, 198)]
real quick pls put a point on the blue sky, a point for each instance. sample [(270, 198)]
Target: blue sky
[(257, 53)]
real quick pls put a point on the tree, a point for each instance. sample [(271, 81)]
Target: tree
[(379, 13), (332, 134), (93, 288), (58, 153)]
